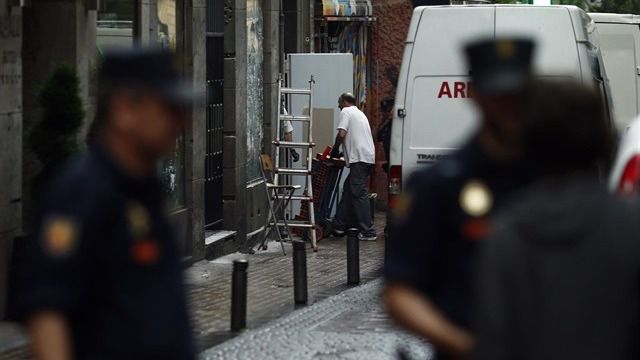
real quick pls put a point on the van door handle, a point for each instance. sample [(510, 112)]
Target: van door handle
[(402, 113)]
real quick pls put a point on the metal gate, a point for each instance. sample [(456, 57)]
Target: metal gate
[(215, 120)]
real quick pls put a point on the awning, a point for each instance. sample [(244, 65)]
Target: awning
[(346, 8)]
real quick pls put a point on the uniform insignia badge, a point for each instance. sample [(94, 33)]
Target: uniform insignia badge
[(476, 199), (139, 220), (402, 206), (505, 49), (476, 228), (60, 235), (145, 252)]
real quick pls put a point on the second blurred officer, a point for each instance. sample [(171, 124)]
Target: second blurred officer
[(104, 280), (444, 213), (559, 274)]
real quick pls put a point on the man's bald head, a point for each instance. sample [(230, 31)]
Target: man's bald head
[(346, 99)]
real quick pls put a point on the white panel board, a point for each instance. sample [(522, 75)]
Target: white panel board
[(333, 75)]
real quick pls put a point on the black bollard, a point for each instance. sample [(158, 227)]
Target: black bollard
[(300, 272), (239, 295), (353, 257)]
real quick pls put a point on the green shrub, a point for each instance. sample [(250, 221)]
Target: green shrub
[(55, 138)]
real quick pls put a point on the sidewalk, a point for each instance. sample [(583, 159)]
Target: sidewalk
[(270, 289), (270, 292)]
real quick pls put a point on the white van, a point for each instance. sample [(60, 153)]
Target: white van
[(620, 47), (433, 114)]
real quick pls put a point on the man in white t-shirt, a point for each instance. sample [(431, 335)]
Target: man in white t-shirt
[(354, 134)]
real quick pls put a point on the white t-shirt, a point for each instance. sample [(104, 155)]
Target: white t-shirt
[(286, 125), (358, 144)]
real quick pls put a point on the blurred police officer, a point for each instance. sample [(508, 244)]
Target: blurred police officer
[(104, 280), (443, 214), (558, 276)]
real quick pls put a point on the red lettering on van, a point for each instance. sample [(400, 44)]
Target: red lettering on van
[(461, 90), (458, 89), (444, 90)]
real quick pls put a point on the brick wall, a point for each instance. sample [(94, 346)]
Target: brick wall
[(387, 45)]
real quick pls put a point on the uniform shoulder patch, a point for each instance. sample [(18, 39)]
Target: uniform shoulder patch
[(145, 252), (60, 235), (505, 49)]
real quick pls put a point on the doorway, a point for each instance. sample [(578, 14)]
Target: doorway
[(215, 114)]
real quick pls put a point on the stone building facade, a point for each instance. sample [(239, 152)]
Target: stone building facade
[(34, 42), (11, 112), (73, 44), (251, 71)]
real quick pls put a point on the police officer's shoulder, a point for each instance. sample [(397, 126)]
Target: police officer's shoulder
[(420, 179), (81, 180)]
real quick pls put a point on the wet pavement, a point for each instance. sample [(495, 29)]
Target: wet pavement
[(351, 325)]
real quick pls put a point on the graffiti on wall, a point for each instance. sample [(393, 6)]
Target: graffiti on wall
[(346, 8), (254, 89)]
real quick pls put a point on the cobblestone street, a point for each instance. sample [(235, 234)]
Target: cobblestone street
[(351, 325), (270, 289)]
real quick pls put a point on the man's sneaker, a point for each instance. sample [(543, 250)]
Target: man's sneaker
[(362, 237), (338, 232)]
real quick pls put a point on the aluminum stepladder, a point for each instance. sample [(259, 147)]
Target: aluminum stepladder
[(307, 145)]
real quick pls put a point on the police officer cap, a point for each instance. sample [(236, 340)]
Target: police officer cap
[(149, 70), (500, 66)]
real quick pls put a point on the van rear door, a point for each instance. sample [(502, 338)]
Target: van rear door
[(439, 113), (551, 27), (620, 46)]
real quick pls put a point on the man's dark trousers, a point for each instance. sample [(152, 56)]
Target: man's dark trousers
[(354, 209)]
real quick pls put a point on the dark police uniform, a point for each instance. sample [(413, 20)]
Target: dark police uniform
[(433, 245), (105, 256), (445, 208)]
